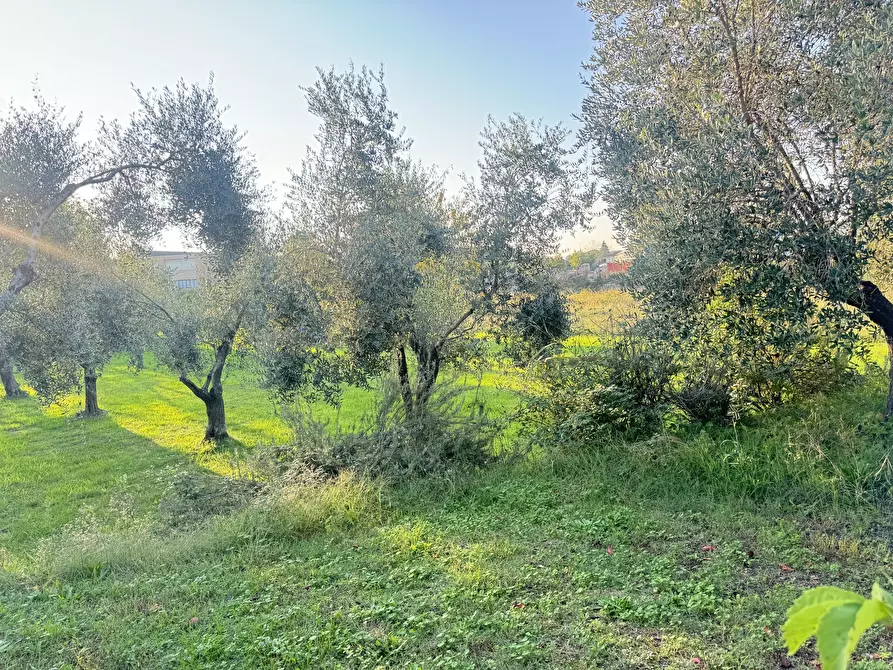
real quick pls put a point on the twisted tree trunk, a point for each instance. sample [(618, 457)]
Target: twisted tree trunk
[(7, 377), (415, 398), (426, 375), (871, 301), (212, 392)]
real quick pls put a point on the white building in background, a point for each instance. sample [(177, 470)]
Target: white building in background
[(186, 267)]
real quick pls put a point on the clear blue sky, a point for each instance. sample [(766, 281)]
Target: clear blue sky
[(448, 64)]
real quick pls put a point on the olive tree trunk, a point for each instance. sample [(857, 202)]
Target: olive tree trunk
[(416, 398), (91, 401), (212, 392), (7, 377), (403, 379), (216, 411), (875, 305), (427, 372)]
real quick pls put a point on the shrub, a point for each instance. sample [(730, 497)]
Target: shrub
[(641, 367), (540, 321), (705, 400), (451, 432), (608, 411), (623, 387), (765, 357), (767, 379), (757, 361)]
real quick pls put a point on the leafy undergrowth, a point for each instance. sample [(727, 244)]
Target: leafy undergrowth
[(682, 552)]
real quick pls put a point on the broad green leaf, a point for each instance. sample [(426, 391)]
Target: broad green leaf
[(829, 594), (803, 624), (833, 634), (871, 612), (806, 612), (878, 592)]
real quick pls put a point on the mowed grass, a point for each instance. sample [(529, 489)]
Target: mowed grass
[(516, 568), (55, 465), (681, 552)]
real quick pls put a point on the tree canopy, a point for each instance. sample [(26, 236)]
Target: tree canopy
[(745, 152), (404, 271)]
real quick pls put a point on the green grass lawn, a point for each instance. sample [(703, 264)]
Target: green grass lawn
[(613, 558)]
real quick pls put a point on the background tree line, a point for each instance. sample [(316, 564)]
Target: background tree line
[(371, 267), (743, 151)]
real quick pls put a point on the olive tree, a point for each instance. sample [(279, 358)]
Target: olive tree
[(531, 190), (172, 163), (72, 322), (11, 386), (411, 273), (745, 151), (79, 314), (44, 163), (211, 194), (199, 329), (39, 155)]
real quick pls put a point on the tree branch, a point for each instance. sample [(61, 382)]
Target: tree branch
[(456, 324), (199, 392), (753, 119), (149, 299), (24, 274)]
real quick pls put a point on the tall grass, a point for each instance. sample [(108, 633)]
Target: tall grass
[(601, 312), (302, 508), (829, 452)]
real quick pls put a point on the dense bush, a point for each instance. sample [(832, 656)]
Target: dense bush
[(633, 384), (624, 386), (540, 320), (765, 356), (641, 367), (704, 400), (450, 432)]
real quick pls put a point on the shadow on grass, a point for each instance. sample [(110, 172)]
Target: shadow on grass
[(54, 468), (158, 407)]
